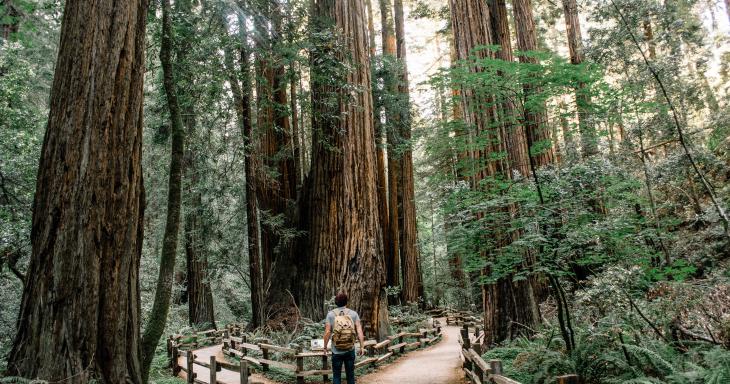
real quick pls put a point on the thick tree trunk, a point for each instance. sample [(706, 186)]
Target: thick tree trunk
[(344, 244), (536, 127), (503, 301), (80, 312), (589, 140), (163, 291), (411, 270)]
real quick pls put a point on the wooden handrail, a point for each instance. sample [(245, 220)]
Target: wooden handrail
[(239, 346), (478, 371)]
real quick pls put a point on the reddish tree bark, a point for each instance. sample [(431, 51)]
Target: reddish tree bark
[(392, 247), (536, 127), (412, 278), (277, 182), (80, 312), (589, 140), (344, 244)]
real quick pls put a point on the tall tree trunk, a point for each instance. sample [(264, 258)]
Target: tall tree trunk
[(380, 146), (392, 247), (456, 264), (502, 301), (163, 291), (412, 278), (277, 187), (589, 139), (344, 243), (515, 141), (199, 294), (242, 98), (536, 128), (80, 312), (513, 133)]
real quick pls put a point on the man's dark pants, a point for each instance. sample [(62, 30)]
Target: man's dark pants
[(348, 358)]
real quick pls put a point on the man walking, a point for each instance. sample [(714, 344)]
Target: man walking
[(343, 324)]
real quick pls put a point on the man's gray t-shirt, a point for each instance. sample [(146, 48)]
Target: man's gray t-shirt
[(331, 320)]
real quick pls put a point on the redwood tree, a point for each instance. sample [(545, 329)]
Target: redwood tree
[(412, 279), (240, 82), (536, 127), (589, 141), (504, 302), (344, 247), (392, 246), (80, 312), (277, 176)]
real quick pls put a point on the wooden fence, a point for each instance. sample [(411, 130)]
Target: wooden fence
[(478, 371), (460, 318), (237, 344)]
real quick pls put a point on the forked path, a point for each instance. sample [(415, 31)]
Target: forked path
[(438, 364)]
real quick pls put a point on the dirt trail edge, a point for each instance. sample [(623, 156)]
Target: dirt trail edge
[(438, 364)]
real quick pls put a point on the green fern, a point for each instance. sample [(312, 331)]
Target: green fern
[(648, 356), (643, 380)]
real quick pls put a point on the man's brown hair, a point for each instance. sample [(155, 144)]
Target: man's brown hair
[(341, 299)]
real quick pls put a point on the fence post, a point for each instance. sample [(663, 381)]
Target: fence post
[(401, 349), (300, 364), (568, 379), (173, 363), (244, 371), (245, 340), (213, 370), (226, 339), (191, 370), (465, 337), (325, 377), (496, 366), (265, 352), (169, 349)]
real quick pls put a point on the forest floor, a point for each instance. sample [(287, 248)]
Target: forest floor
[(437, 364)]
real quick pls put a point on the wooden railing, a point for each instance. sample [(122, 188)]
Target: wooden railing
[(290, 359), (461, 317), (478, 371)]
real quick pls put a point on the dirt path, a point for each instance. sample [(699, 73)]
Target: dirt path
[(439, 364)]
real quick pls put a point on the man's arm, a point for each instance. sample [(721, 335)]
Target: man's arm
[(361, 336), (327, 332)]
